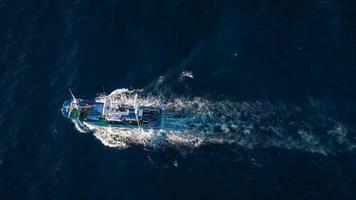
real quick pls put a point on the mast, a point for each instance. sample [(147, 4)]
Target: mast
[(136, 112), (71, 93), (75, 100)]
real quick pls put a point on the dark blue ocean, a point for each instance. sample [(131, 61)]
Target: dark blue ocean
[(279, 75)]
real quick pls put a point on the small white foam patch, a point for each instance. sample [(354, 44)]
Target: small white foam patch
[(186, 74), (192, 122), (79, 126)]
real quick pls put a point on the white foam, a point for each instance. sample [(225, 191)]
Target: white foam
[(79, 126), (186, 74)]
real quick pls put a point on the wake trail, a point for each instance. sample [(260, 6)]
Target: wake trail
[(192, 122)]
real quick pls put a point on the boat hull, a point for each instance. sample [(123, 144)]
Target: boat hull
[(109, 114)]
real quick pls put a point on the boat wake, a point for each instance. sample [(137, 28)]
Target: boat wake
[(192, 122)]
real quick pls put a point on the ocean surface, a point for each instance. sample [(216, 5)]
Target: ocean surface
[(263, 96)]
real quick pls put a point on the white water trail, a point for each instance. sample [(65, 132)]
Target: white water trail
[(192, 122)]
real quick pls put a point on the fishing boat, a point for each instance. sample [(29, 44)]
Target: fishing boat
[(107, 112)]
